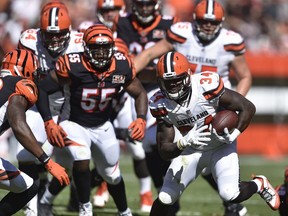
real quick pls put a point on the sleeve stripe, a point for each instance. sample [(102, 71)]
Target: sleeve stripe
[(234, 47), (174, 37), (215, 92)]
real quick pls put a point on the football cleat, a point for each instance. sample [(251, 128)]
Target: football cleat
[(125, 213), (268, 193), (45, 209), (102, 196), (234, 209), (85, 209), (146, 201)]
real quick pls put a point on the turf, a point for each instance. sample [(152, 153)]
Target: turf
[(199, 199)]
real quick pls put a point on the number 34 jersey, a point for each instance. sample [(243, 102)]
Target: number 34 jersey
[(200, 107), (91, 91)]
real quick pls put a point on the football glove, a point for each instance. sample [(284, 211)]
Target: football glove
[(227, 137), (57, 171), (137, 129), (195, 137), (55, 133)]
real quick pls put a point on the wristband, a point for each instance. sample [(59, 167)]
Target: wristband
[(142, 117), (44, 158)]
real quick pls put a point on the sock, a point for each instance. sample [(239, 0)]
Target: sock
[(145, 185), (47, 197)]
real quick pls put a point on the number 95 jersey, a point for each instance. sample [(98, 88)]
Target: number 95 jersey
[(91, 91), (199, 108)]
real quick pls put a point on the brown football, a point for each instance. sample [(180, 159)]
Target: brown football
[(224, 118)]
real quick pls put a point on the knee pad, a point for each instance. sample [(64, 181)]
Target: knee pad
[(136, 150), (228, 193)]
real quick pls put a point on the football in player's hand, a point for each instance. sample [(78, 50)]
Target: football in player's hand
[(224, 118)]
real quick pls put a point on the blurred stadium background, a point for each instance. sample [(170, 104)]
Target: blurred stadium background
[(264, 25)]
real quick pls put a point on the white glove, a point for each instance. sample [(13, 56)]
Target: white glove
[(195, 137), (227, 137)]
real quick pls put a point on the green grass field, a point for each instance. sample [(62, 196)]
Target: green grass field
[(199, 199)]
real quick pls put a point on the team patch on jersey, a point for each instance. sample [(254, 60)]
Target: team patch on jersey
[(118, 79), (158, 34)]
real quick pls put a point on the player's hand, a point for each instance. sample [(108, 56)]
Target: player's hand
[(57, 171), (55, 133), (231, 137), (195, 136), (227, 137), (137, 129)]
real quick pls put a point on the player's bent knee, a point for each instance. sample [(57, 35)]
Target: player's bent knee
[(165, 198), (228, 194), (21, 183), (113, 178), (136, 149)]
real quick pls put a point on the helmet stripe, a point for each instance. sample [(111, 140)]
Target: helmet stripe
[(53, 16), (168, 62), (210, 7)]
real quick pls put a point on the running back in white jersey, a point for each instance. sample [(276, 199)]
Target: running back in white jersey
[(201, 106), (215, 57)]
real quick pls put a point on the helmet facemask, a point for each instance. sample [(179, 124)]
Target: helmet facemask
[(145, 11), (100, 54), (176, 87), (56, 42)]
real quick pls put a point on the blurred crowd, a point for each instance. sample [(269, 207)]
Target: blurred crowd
[(263, 23)]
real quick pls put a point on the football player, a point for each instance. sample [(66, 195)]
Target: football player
[(207, 46), (51, 40), (141, 29), (188, 103), (18, 92), (95, 77)]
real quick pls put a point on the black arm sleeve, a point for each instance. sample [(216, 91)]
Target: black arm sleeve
[(46, 86)]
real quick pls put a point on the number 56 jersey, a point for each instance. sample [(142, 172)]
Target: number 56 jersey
[(200, 107)]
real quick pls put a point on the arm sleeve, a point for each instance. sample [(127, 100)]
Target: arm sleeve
[(47, 86)]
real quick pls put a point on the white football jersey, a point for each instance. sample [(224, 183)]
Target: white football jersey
[(207, 87), (214, 57), (31, 39)]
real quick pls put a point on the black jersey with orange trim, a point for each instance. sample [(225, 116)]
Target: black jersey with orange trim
[(91, 92), (12, 85), (138, 38)]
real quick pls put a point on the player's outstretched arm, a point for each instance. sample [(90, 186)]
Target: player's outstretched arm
[(17, 120), (143, 59)]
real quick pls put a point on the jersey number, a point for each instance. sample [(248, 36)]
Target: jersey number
[(193, 67), (90, 101)]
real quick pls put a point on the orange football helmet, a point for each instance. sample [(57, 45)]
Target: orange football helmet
[(105, 6), (208, 11), (53, 3), (145, 11), (55, 27), (99, 46), (20, 62), (173, 75), (120, 46)]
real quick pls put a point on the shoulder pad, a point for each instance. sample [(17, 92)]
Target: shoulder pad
[(178, 32), (75, 43), (28, 39), (27, 89), (211, 84), (233, 42)]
